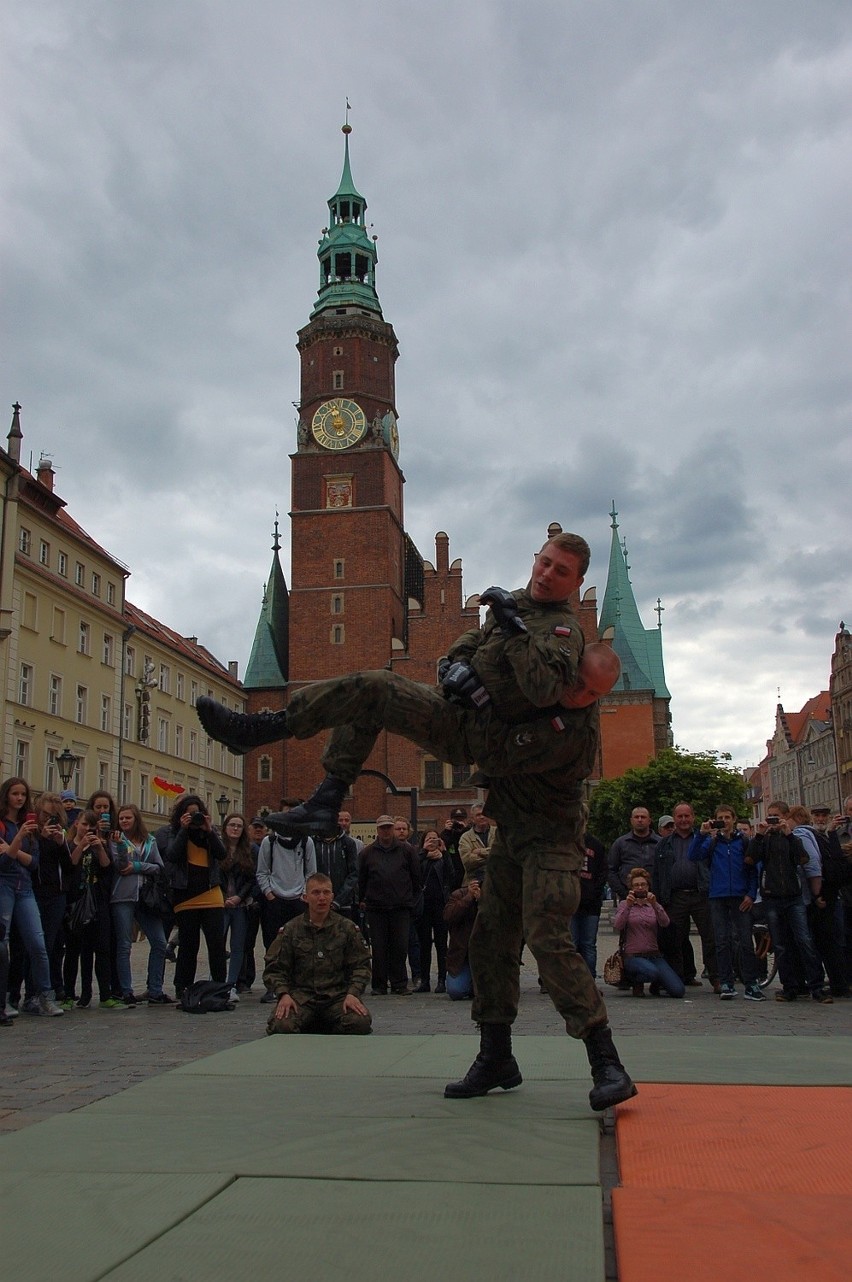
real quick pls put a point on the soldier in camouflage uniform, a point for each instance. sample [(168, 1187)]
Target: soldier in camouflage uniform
[(532, 887), (318, 967), (513, 670)]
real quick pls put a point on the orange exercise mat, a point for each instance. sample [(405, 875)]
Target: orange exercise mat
[(734, 1182), (669, 1235), (795, 1139)]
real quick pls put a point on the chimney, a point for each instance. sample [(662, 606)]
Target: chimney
[(15, 434), (44, 472)]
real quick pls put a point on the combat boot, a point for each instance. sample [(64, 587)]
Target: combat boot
[(316, 815), (611, 1082), (241, 731), (494, 1066)]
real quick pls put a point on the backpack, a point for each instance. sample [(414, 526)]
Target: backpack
[(204, 996)]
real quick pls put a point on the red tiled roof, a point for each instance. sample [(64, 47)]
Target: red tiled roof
[(816, 709), (191, 649)]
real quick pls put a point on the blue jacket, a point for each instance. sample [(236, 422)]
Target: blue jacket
[(730, 876)]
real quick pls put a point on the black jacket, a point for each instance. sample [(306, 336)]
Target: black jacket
[(388, 876), (338, 859), (175, 860)]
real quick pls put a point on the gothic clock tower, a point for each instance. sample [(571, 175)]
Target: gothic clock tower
[(348, 544), (361, 596)]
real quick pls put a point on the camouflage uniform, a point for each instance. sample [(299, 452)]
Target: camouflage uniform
[(532, 887), (531, 891), (360, 706), (318, 966)]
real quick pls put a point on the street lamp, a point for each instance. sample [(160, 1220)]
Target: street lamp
[(223, 805), (66, 764)]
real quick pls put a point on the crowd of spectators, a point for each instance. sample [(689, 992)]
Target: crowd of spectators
[(79, 884)]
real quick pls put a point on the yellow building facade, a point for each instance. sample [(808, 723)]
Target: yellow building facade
[(86, 672)]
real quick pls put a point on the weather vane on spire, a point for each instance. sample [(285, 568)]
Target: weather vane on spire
[(347, 128)]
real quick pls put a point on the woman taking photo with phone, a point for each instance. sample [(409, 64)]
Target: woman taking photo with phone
[(637, 919), (19, 853)]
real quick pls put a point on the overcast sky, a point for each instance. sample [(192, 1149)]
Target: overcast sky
[(613, 243)]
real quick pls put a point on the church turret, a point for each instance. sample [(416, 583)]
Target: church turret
[(268, 665), (639, 648), (347, 250), (635, 717)]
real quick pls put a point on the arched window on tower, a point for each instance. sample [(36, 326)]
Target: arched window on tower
[(362, 267), (343, 266)]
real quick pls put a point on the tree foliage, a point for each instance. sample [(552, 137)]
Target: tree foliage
[(700, 778)]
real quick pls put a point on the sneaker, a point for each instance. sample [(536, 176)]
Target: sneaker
[(83, 1003), (129, 999), (31, 1006), (754, 993), (10, 1011), (161, 999), (171, 955), (824, 998), (727, 992), (112, 1003), (233, 995), (785, 997), (268, 998), (440, 987), (48, 1004), (67, 1004)]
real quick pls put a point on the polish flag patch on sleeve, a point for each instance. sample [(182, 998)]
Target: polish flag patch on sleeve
[(562, 632)]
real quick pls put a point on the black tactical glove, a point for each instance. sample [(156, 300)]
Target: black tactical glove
[(461, 685), (505, 610)]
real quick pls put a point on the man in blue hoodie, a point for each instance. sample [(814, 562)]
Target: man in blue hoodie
[(733, 886)]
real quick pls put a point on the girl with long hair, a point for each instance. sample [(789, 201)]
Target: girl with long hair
[(19, 855), (193, 860), (88, 947), (240, 888), (135, 857)]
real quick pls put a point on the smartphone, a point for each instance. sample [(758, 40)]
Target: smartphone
[(31, 817)]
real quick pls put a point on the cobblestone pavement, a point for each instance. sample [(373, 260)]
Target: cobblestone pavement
[(56, 1065)]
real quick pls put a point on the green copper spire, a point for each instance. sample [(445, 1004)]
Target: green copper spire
[(640, 649), (347, 251), (268, 665)]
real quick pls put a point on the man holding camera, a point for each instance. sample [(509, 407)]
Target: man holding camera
[(732, 890)]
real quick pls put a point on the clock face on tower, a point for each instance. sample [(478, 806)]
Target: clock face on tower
[(338, 424)]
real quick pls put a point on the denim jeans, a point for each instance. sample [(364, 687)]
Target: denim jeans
[(123, 914), (729, 925), (788, 923), (21, 904), (654, 970), (236, 920), (584, 931), (460, 986)]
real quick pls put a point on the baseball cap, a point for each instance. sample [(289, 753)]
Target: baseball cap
[(384, 821), (67, 795), (458, 813), (665, 820), (257, 822)]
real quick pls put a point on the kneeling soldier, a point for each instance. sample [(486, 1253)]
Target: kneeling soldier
[(318, 966)]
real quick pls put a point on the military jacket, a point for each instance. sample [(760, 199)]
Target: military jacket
[(319, 962), (528, 671)]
